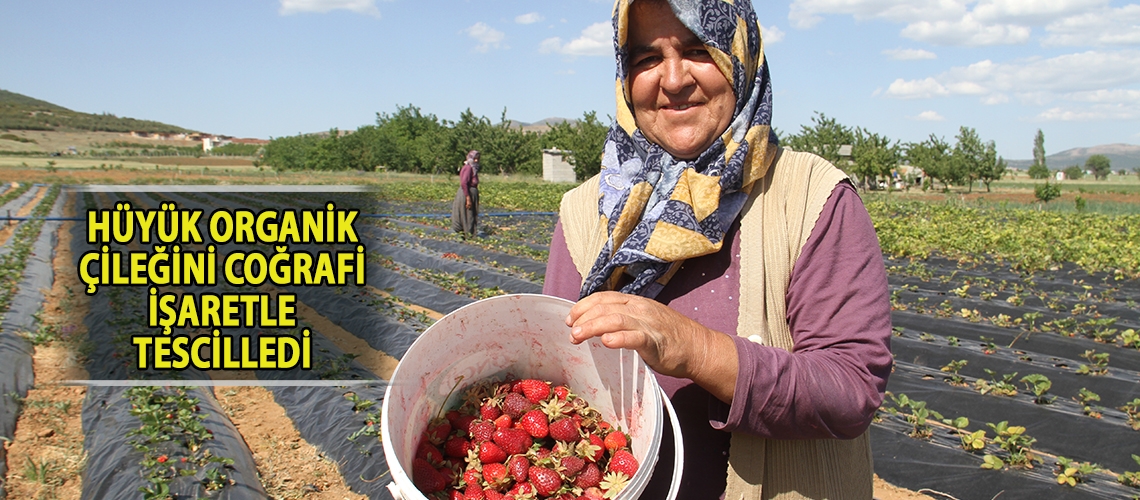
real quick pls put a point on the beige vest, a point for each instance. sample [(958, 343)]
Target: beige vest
[(775, 223)]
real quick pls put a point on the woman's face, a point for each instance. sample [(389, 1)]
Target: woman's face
[(681, 101)]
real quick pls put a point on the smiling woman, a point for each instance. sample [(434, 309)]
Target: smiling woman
[(748, 277)]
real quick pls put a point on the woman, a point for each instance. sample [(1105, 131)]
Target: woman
[(465, 207), (748, 277)]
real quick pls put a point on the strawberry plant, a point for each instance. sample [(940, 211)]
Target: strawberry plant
[(1086, 398), (1130, 338), (1072, 472), (953, 368), (1002, 387), (988, 345), (1099, 364), (1040, 385), (917, 416), (1016, 444), (1131, 478), (1132, 409), (971, 441)]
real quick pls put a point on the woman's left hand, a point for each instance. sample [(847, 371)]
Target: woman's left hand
[(669, 342)]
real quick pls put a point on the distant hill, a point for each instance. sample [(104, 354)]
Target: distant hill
[(20, 112), (538, 126), (1122, 156)]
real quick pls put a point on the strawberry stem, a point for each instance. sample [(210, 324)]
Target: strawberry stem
[(449, 393)]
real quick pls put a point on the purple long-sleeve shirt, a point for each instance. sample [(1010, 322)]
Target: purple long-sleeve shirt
[(828, 386)]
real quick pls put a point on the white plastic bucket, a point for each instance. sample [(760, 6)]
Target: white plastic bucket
[(523, 335)]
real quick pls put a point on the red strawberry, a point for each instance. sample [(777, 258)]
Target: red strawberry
[(562, 392), (474, 492), (592, 448), (454, 495), (495, 474), (623, 461), (493, 495), (481, 430), (463, 423), (521, 490), (545, 481), (615, 441), (426, 478), (456, 447), (535, 423), (489, 411), (565, 429), (491, 453), (536, 391), (452, 416), (593, 493), (515, 405), (518, 466), (572, 465), (429, 452), (504, 421), (512, 441), (590, 476), (437, 431), (472, 476)]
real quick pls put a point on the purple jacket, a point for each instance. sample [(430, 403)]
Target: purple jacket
[(829, 386)]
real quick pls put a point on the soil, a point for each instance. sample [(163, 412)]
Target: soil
[(888, 491)]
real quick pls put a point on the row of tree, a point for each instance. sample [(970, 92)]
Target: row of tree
[(874, 159), (410, 140), (1099, 165)]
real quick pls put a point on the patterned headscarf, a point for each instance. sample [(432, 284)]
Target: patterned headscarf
[(472, 159), (660, 210)]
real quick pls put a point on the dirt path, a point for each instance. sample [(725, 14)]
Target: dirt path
[(8, 228), (45, 457)]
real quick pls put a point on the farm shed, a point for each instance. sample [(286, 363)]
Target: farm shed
[(555, 168)]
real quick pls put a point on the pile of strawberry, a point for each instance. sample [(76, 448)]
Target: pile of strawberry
[(522, 439)]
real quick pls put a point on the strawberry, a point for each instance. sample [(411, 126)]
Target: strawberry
[(437, 431), (454, 495), (512, 441), (490, 452), (429, 453), (592, 448), (515, 404), (562, 392), (481, 430), (616, 440), (456, 447), (426, 478), (495, 474), (623, 461), (565, 429), (546, 482), (504, 422), (535, 390), (474, 492), (571, 466), (518, 465), (463, 423), (452, 416), (472, 476), (520, 490), (590, 476), (593, 493), (489, 411), (493, 495), (535, 423)]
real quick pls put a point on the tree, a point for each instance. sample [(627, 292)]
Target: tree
[(1137, 170), (933, 157), (969, 156), (512, 150), (823, 138), (993, 167), (1074, 172), (1046, 192), (585, 140), (873, 156), (1100, 166), (1039, 170)]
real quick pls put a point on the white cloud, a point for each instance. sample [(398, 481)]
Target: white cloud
[(807, 13), (1032, 12), (916, 89), (367, 7), (929, 116), (995, 98), (528, 18), (909, 54), (1099, 28), (488, 37), (966, 31), (1091, 113), (771, 34), (595, 40)]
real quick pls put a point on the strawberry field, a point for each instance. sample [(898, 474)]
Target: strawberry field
[(1016, 342)]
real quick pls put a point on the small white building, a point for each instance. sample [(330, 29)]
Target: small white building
[(1060, 176), (555, 168)]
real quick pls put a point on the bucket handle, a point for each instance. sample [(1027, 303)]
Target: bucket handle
[(678, 449)]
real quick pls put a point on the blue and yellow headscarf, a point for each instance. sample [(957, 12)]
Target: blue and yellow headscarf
[(659, 210)]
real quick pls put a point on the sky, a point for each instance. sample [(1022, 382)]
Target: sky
[(901, 68)]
